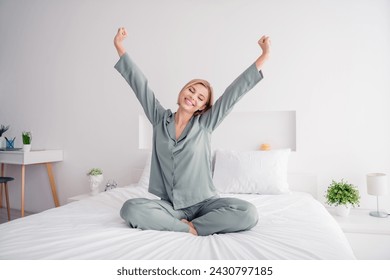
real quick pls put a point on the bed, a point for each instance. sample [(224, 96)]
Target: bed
[(292, 225)]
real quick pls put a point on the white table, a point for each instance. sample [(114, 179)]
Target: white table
[(28, 158), (369, 236)]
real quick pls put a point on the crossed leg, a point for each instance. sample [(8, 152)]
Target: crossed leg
[(151, 214), (223, 215)]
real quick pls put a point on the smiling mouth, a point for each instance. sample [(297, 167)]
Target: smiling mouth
[(188, 102)]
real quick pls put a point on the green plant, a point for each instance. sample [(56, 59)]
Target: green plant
[(94, 172), (3, 129), (342, 193), (27, 137)]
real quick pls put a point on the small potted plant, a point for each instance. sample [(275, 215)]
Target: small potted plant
[(2, 139), (95, 179), (342, 195), (26, 137)]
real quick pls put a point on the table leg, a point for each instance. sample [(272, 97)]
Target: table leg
[(23, 180), (1, 186), (52, 184), (7, 201)]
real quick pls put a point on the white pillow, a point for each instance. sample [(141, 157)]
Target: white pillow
[(260, 172), (144, 179)]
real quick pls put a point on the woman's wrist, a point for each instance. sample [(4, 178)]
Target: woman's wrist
[(119, 48), (265, 55), (260, 61)]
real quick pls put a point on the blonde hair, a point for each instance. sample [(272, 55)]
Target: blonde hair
[(209, 88)]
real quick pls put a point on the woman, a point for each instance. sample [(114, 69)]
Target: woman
[(181, 155)]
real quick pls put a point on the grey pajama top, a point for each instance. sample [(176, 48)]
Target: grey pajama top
[(181, 169)]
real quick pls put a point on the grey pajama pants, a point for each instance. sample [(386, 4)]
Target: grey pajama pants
[(214, 215)]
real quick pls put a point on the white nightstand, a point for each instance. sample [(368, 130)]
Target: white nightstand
[(78, 197), (369, 236)]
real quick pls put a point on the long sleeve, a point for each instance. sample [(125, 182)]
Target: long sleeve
[(237, 89), (139, 83)]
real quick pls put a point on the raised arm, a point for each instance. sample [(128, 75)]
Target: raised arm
[(137, 80), (237, 89)]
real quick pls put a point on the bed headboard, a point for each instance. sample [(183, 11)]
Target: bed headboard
[(246, 131)]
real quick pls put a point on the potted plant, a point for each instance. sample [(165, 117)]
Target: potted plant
[(2, 139), (342, 195), (26, 137), (95, 179)]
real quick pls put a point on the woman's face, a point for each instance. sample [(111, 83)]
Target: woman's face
[(194, 98)]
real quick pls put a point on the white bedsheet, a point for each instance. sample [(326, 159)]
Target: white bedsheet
[(291, 226)]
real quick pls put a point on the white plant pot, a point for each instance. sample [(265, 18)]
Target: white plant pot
[(343, 210), (26, 148), (2, 142), (94, 183)]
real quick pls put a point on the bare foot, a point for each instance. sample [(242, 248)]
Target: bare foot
[(192, 228)]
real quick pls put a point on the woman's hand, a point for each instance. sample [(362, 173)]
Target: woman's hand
[(118, 40), (265, 45)]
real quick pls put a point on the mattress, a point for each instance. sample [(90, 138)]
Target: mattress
[(291, 226)]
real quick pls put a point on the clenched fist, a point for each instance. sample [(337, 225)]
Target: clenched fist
[(118, 40), (265, 43)]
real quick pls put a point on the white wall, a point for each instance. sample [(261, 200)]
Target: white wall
[(330, 63)]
